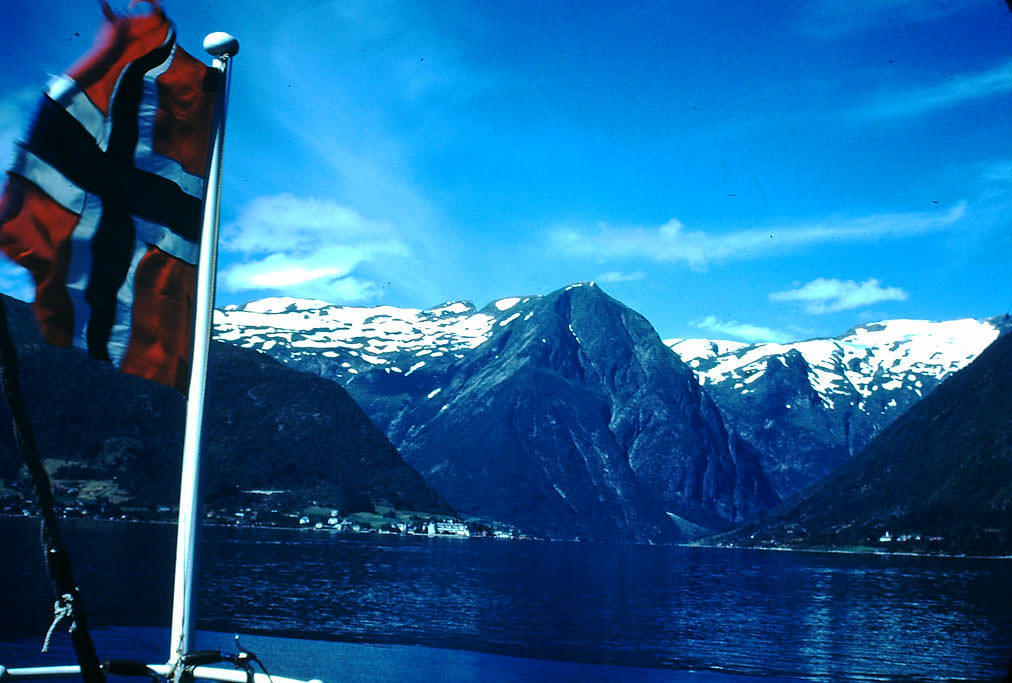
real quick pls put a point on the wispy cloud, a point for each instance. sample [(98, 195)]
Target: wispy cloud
[(356, 118), (956, 90), (279, 238), (364, 106), (673, 242), (743, 331), (995, 171), (619, 276), (284, 222), (834, 19), (830, 295)]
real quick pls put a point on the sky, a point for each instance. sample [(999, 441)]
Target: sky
[(766, 171)]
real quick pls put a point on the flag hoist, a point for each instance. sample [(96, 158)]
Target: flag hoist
[(112, 205)]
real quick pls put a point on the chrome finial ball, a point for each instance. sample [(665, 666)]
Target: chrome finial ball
[(219, 44)]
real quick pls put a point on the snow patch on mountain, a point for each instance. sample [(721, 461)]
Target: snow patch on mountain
[(506, 304), (905, 356), (886, 355), (376, 336), (283, 304), (693, 351)]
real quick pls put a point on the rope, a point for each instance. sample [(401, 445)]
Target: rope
[(63, 608), (55, 551)]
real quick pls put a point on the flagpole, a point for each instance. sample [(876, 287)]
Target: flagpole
[(184, 597)]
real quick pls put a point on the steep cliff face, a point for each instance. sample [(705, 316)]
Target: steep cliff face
[(573, 419), (800, 438)]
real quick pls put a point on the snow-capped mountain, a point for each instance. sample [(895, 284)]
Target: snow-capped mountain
[(937, 479), (574, 419), (806, 407), (890, 355), (810, 405), (354, 339), (564, 414)]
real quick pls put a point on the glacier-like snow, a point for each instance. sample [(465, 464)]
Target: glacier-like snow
[(885, 355)]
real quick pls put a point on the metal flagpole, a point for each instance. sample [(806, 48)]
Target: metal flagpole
[(222, 47)]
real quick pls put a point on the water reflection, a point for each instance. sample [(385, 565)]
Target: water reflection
[(821, 615), (787, 614)]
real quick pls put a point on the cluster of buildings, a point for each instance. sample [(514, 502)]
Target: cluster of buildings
[(260, 509), (907, 538), (318, 518), (429, 527)]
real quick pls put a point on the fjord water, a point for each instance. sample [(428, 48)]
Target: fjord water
[(458, 609)]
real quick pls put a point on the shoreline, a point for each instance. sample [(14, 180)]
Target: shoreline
[(850, 550)]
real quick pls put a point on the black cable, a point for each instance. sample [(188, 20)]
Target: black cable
[(192, 660), (248, 654)]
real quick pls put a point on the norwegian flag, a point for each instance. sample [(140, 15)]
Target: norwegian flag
[(103, 204)]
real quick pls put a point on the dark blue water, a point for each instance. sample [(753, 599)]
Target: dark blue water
[(787, 615)]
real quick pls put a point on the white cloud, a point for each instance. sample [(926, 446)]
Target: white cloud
[(322, 283), (278, 240), (295, 224), (266, 275), (956, 90), (358, 118), (832, 18), (619, 276), (830, 295), (744, 331), (995, 171), (672, 242)]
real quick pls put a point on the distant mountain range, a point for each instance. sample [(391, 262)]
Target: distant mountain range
[(111, 438), (810, 405), (938, 478), (566, 415)]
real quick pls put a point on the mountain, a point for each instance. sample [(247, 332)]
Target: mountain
[(939, 477), (809, 406), (564, 414), (115, 438), (339, 342)]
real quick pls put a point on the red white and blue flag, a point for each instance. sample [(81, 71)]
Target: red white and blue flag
[(104, 201)]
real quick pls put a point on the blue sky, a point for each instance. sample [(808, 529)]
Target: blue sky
[(741, 170)]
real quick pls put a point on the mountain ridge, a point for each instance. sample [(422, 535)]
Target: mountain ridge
[(939, 478), (604, 442), (801, 409), (819, 401), (95, 424)]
